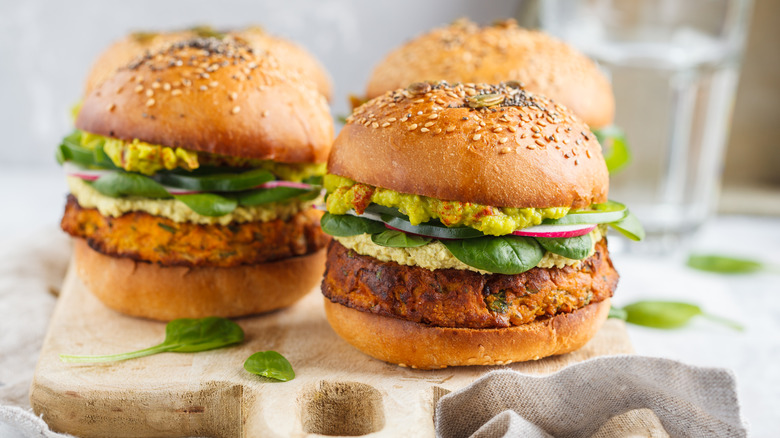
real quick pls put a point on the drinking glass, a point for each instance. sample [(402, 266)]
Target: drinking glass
[(674, 67)]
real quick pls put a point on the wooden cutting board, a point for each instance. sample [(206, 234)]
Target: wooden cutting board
[(337, 390)]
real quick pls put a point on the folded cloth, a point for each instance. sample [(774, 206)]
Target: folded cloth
[(597, 397), (31, 273)]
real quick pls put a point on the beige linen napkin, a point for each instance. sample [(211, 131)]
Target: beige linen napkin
[(593, 398), (31, 272)]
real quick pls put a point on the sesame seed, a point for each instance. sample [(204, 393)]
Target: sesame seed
[(576, 162), (503, 140), (139, 79), (213, 84), (505, 150), (149, 92), (424, 129), (235, 109), (418, 101), (150, 102), (433, 116), (524, 135), (166, 86), (156, 85), (497, 130), (530, 146), (437, 131), (450, 128), (511, 129), (138, 88), (233, 96), (477, 137), (540, 143), (175, 92), (565, 141), (536, 129), (565, 155), (375, 125), (265, 113), (537, 135), (203, 88), (111, 107), (413, 126), (587, 152), (392, 119), (385, 125), (428, 124)]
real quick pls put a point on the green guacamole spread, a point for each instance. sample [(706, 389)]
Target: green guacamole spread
[(145, 158), (345, 194)]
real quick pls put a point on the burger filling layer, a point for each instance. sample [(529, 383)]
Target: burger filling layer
[(345, 194), (177, 211), (463, 298), (434, 255), (150, 238)]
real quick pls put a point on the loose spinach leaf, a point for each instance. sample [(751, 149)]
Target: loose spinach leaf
[(501, 255), (576, 248), (398, 239), (630, 227), (208, 204), (669, 314), (723, 264), (343, 225), (270, 364), (181, 336), (616, 151), (265, 196), (617, 313), (118, 184)]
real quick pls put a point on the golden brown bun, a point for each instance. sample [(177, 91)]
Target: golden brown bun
[(164, 293), (289, 54), (464, 52), (415, 141), (417, 345), (212, 96)]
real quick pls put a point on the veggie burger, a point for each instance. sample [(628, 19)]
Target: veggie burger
[(192, 172), (469, 226)]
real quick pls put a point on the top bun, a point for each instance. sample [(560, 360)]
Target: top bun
[(289, 54), (212, 96), (494, 145), (465, 52)]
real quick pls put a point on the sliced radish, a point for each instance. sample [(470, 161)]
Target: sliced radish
[(556, 230), (290, 184), (82, 173)]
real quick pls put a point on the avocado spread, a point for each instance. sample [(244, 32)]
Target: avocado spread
[(146, 158), (345, 194)]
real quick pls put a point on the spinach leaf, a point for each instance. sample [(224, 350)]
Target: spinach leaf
[(399, 239), (617, 313), (181, 336), (669, 314), (616, 151), (265, 196), (70, 149), (270, 364), (216, 182), (576, 248), (630, 227), (118, 184), (343, 225), (501, 255), (723, 264), (208, 204)]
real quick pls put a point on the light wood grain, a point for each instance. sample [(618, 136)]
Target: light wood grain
[(337, 389)]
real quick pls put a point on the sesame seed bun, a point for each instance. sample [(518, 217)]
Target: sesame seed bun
[(523, 151), (152, 291), (212, 96), (421, 346), (289, 54), (465, 52)]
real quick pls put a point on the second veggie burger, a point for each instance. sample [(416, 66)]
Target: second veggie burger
[(469, 227), (192, 175)]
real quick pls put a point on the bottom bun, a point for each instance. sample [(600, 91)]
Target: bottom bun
[(164, 293), (417, 345)]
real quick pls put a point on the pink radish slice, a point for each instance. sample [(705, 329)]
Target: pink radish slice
[(290, 184), (82, 173), (556, 231)]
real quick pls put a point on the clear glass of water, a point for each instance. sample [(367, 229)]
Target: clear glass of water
[(674, 66)]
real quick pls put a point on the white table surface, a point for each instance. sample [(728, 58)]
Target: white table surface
[(34, 198)]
